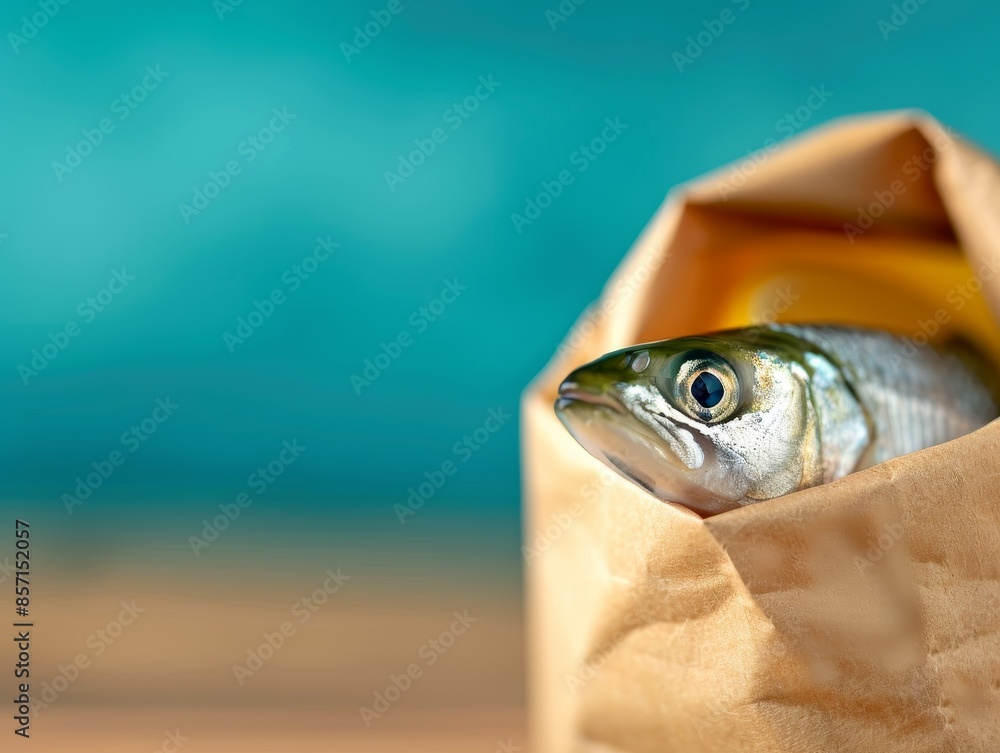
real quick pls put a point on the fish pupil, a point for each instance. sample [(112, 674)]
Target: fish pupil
[(707, 389)]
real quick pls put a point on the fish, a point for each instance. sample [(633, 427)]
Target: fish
[(719, 421)]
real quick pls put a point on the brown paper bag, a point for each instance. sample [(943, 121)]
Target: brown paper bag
[(863, 615)]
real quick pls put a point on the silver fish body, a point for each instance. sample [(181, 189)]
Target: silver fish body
[(737, 417)]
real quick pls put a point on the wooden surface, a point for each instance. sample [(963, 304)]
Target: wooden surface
[(276, 729)]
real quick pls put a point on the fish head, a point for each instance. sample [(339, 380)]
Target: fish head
[(711, 422)]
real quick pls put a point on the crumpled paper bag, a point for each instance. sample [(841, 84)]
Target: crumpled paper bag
[(863, 615)]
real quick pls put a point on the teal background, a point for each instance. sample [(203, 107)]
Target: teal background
[(325, 175)]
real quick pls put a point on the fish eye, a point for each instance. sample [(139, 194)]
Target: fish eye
[(706, 387)]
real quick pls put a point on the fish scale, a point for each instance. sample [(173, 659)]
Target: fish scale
[(915, 397)]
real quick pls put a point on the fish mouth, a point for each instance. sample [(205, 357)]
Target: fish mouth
[(629, 444), (636, 438), (637, 410), (572, 392)]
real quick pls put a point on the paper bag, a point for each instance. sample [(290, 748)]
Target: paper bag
[(863, 615)]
